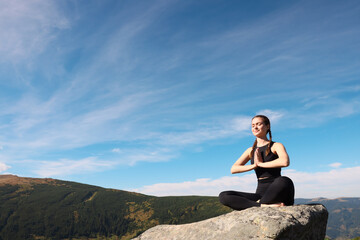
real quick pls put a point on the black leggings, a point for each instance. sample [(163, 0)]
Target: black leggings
[(269, 190)]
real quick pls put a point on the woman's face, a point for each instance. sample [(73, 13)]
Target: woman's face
[(258, 127)]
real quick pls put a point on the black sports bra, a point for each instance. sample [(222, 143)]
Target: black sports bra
[(266, 172)]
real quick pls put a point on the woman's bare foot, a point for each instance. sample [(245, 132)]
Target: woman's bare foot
[(273, 205)]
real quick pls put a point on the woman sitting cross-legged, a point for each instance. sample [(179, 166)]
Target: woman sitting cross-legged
[(267, 158)]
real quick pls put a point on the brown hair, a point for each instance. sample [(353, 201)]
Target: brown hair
[(266, 122)]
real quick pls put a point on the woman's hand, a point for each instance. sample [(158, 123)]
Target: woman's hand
[(257, 158), (281, 161), (239, 166)]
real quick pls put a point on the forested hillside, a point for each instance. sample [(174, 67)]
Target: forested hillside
[(53, 209)]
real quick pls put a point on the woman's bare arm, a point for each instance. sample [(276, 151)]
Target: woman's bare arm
[(282, 161), (239, 166)]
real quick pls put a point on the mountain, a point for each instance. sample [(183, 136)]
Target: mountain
[(33, 208)]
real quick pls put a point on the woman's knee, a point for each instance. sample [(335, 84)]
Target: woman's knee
[(224, 197), (287, 188), (284, 182)]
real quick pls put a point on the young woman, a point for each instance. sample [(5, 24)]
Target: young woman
[(267, 158)]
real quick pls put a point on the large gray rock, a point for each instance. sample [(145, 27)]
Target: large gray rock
[(292, 222)]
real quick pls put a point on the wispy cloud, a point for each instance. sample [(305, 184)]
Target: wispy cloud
[(145, 154), (28, 27), (42, 125), (342, 182), (131, 78), (116, 150), (66, 167), (317, 107), (92, 104), (275, 116), (319, 110), (54, 125), (199, 133), (288, 48)]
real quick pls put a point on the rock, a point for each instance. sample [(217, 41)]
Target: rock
[(290, 222)]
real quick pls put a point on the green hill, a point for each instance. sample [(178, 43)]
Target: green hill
[(33, 208), (53, 209)]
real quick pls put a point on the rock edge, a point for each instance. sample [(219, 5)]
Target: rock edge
[(290, 222)]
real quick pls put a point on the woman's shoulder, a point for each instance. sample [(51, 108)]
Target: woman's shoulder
[(277, 145), (248, 150)]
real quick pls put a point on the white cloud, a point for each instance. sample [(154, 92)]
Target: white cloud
[(341, 182), (335, 165), (335, 183), (66, 167), (3, 167), (205, 186)]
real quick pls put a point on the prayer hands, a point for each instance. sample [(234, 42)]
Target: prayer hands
[(257, 157)]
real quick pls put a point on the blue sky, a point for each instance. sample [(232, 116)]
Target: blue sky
[(157, 96)]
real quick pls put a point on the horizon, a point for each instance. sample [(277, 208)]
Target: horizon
[(156, 97), (313, 199)]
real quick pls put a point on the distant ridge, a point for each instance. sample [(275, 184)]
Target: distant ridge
[(344, 216), (15, 180)]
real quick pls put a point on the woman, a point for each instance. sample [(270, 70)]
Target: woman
[(267, 158)]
